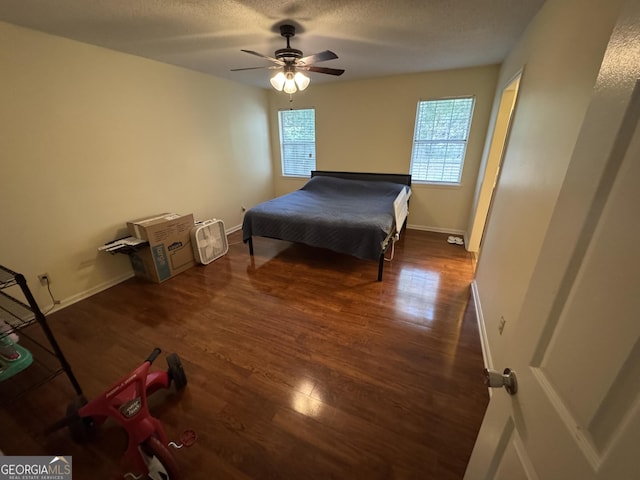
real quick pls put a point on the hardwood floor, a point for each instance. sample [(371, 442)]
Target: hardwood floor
[(300, 365)]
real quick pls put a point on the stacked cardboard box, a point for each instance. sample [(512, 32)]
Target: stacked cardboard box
[(169, 251)]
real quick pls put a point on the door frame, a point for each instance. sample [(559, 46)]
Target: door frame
[(498, 143)]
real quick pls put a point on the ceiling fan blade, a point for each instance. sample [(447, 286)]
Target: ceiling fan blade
[(318, 57), (330, 71), (275, 60), (267, 67)]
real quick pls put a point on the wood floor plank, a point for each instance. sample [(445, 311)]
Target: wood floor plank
[(300, 365)]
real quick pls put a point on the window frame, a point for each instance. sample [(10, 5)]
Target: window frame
[(282, 143), (415, 178)]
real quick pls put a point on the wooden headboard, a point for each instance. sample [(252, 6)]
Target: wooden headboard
[(402, 178)]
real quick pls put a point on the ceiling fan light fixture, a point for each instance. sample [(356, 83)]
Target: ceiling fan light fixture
[(290, 84), (278, 81), (289, 81), (302, 81)]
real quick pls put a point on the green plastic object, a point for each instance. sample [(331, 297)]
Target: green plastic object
[(8, 368)]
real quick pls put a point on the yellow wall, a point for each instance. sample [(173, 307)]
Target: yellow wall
[(367, 126), (561, 52), (92, 138)]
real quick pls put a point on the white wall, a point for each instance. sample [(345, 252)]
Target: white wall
[(561, 52), (92, 138), (367, 126)]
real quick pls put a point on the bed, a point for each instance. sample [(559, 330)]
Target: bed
[(359, 214)]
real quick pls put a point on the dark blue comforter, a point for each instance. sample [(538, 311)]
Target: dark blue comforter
[(347, 216)]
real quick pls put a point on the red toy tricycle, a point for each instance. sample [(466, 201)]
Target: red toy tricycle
[(126, 402)]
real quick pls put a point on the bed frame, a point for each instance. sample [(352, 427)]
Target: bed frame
[(401, 178)]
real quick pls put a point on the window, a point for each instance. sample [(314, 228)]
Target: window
[(440, 140), (298, 141)]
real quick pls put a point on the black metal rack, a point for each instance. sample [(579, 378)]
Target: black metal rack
[(48, 359)]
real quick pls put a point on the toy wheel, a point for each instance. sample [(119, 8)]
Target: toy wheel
[(176, 372), (82, 429), (160, 463)]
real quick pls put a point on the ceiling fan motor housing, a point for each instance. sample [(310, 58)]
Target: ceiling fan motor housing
[(290, 54)]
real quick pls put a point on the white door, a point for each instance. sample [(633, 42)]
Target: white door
[(576, 348)]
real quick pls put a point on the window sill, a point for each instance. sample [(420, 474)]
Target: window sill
[(296, 177), (419, 184)]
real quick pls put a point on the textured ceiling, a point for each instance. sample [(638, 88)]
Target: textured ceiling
[(371, 37)]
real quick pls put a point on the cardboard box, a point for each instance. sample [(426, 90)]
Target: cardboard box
[(169, 251)]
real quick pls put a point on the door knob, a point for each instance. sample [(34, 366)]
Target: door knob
[(507, 379)]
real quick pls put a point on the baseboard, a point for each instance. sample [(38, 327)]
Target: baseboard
[(88, 293), (450, 231), (484, 340), (103, 286)]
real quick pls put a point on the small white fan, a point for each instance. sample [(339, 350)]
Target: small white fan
[(209, 241)]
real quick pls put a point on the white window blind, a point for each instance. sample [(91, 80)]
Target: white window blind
[(440, 140), (298, 141)]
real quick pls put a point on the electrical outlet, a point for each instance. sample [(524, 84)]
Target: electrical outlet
[(501, 324), (45, 279)]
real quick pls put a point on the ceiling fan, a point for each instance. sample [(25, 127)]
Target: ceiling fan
[(291, 64)]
